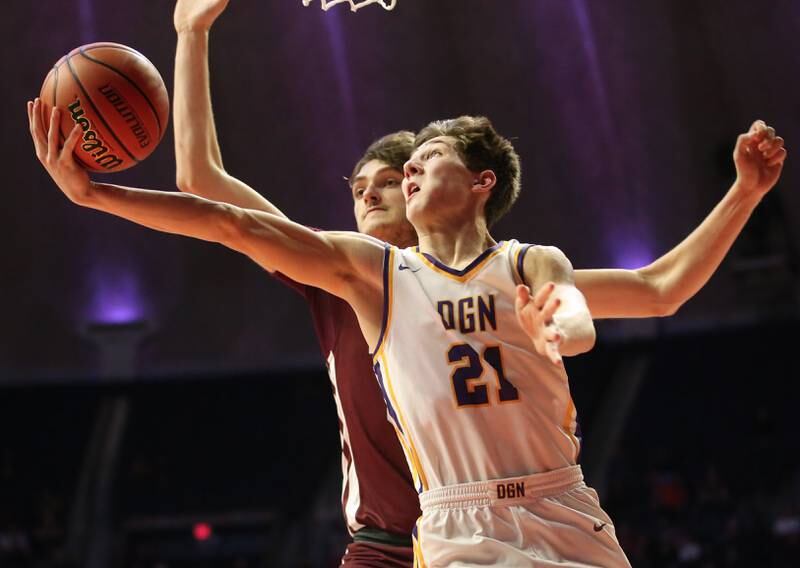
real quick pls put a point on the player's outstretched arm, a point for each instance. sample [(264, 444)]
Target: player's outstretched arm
[(199, 168), (556, 317), (663, 286), (348, 265)]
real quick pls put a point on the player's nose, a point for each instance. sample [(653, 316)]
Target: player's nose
[(371, 194), (412, 168)]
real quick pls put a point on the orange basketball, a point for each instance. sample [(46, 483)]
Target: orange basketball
[(117, 97)]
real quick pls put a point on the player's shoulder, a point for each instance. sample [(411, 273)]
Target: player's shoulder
[(544, 253), (360, 237), (546, 262), (358, 245)]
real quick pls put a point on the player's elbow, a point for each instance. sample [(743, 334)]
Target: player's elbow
[(183, 182), (665, 308), (187, 183), (666, 300), (197, 179), (665, 294)]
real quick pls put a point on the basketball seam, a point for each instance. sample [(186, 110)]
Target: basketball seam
[(55, 85), (133, 84), (97, 112), (109, 44)]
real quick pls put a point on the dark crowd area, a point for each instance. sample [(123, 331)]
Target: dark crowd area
[(244, 471)]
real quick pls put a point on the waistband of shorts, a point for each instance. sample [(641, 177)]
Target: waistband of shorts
[(379, 536), (502, 491)]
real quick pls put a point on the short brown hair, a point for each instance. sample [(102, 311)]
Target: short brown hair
[(393, 149), (482, 148)]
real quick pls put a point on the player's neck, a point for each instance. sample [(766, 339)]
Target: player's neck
[(456, 247)]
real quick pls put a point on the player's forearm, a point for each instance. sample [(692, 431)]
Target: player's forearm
[(680, 273), (170, 212), (662, 287), (197, 153), (199, 168), (272, 241)]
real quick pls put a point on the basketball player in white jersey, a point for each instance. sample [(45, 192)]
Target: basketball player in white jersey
[(377, 499), (474, 387)]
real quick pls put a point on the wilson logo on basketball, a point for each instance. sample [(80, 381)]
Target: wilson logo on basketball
[(92, 144), (127, 113)]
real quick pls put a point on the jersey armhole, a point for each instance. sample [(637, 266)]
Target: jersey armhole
[(302, 289)]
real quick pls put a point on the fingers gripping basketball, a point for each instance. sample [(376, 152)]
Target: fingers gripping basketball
[(116, 96)]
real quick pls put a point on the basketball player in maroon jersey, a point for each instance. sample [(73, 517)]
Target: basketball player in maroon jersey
[(378, 499), (379, 502)]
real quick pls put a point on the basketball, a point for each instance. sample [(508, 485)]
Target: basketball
[(116, 96)]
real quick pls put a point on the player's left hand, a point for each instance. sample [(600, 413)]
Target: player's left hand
[(197, 15), (535, 315), (759, 156)]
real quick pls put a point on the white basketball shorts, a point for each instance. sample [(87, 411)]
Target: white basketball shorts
[(541, 520)]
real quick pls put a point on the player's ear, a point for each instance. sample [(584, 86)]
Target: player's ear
[(484, 181)]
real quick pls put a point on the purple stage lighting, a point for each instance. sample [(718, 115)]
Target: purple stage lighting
[(338, 47), (116, 297), (581, 11), (86, 15), (631, 253)]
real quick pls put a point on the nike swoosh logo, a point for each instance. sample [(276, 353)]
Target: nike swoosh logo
[(599, 526), (404, 267)]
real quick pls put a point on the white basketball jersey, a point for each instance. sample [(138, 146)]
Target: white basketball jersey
[(470, 398)]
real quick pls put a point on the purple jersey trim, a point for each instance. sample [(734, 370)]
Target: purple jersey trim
[(387, 268), (389, 407), (521, 262), (579, 436), (466, 269)]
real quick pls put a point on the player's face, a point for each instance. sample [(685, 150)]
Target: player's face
[(436, 181), (379, 205)]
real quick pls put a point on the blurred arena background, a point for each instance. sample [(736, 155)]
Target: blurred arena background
[(163, 402)]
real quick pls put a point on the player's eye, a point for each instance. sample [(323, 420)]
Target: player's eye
[(391, 182)]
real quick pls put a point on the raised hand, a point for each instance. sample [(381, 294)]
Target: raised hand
[(759, 156), (197, 15), (59, 162), (535, 315)]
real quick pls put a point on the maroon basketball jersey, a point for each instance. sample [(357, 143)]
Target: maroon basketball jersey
[(377, 488)]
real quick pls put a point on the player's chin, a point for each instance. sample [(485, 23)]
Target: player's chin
[(380, 224), (374, 228), (420, 218)]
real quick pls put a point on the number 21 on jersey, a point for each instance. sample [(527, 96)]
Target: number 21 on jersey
[(469, 366)]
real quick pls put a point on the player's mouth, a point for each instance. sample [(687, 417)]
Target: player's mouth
[(373, 209), (412, 188)]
